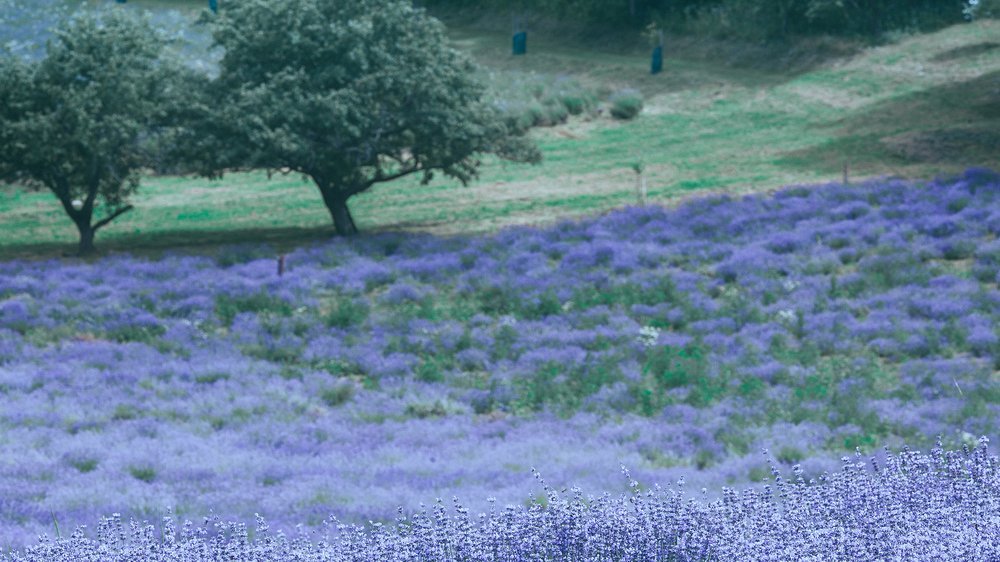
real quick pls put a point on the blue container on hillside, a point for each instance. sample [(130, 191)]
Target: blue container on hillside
[(657, 65), (520, 43), (214, 6)]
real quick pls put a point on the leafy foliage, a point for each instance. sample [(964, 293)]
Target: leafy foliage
[(982, 9), (81, 121), (762, 19), (626, 104)]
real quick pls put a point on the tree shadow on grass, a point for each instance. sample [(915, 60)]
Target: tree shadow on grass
[(261, 242), (966, 51), (193, 242), (949, 127)]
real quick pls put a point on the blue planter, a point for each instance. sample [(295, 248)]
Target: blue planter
[(520, 43), (657, 64)]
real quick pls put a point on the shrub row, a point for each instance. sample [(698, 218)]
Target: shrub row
[(941, 506)]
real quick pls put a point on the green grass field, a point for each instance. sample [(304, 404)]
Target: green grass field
[(922, 106)]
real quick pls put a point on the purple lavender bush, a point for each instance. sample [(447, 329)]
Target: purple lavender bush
[(911, 506), (382, 371)]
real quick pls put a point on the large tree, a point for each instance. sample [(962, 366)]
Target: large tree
[(350, 93), (80, 122)]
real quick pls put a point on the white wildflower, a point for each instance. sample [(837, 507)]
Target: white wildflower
[(648, 335), (788, 315), (729, 291)]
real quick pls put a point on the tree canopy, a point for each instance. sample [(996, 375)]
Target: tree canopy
[(750, 19), (350, 93), (81, 121)]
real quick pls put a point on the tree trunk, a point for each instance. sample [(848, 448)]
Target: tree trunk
[(336, 203), (342, 220), (87, 232)]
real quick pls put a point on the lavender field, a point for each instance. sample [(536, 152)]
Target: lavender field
[(389, 370)]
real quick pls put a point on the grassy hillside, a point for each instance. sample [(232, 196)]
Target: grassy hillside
[(926, 105)]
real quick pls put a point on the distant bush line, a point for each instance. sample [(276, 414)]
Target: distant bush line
[(753, 19), (527, 100)]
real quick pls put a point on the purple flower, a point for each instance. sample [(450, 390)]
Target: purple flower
[(15, 314), (983, 340), (401, 292)]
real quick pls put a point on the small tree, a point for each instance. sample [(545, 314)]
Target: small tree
[(349, 93), (79, 122)]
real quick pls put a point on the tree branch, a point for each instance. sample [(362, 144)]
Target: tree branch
[(380, 177), (118, 212)]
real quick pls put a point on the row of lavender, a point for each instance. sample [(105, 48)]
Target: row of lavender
[(390, 369), (942, 506)]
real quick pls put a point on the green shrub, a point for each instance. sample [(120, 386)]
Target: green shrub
[(555, 112), (534, 114), (337, 394), (759, 474), (535, 100), (275, 352), (577, 103), (667, 368), (979, 9), (959, 250), (124, 412), (145, 473), (503, 343), (436, 409), (790, 455), (735, 437), (662, 290), (422, 410), (626, 104), (84, 465), (891, 268), (751, 387), (227, 307), (545, 304), (210, 378), (543, 386), (431, 369), (347, 312), (498, 300), (704, 459), (142, 334), (563, 388)]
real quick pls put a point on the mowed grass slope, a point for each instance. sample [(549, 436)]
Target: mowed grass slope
[(923, 106)]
